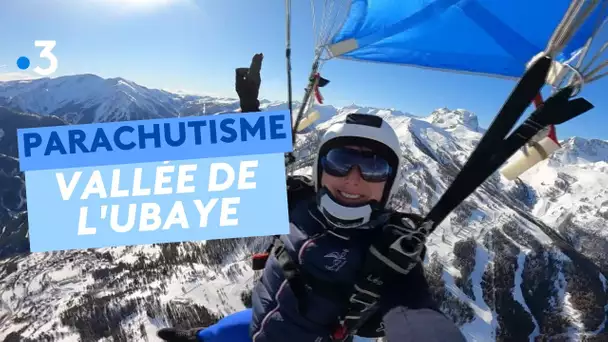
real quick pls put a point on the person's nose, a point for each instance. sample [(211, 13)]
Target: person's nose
[(353, 176)]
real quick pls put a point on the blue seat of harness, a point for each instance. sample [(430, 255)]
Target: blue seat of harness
[(232, 328)]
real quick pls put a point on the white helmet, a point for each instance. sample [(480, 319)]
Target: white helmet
[(359, 130)]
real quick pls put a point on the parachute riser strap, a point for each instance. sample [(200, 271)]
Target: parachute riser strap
[(309, 89), (290, 158), (519, 100), (288, 54), (556, 110)]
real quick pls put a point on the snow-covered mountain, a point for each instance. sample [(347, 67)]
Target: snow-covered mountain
[(90, 98), (496, 269), (571, 188)]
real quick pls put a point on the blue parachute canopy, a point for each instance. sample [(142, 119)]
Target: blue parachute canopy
[(492, 37)]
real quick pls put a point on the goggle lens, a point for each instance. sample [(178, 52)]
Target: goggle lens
[(373, 168)]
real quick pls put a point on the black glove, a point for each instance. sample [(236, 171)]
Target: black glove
[(179, 335), (393, 254), (247, 84), (412, 291)]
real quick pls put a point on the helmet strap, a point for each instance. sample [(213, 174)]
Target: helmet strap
[(345, 216)]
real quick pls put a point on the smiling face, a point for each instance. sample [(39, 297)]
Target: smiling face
[(353, 189)]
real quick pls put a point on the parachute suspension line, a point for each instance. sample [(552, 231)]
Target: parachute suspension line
[(566, 28), (314, 18), (328, 19), (328, 27), (328, 24), (580, 74), (576, 16), (334, 16), (587, 73), (320, 35), (313, 78), (596, 30)]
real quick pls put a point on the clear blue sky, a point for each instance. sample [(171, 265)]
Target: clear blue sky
[(195, 45)]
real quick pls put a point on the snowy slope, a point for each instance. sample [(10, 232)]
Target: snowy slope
[(574, 180), (88, 98), (495, 272), (571, 188)]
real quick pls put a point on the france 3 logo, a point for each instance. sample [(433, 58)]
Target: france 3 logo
[(47, 53)]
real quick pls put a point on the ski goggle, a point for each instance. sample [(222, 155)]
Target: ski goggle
[(339, 161)]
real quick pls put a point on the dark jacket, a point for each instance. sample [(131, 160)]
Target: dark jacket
[(335, 261)]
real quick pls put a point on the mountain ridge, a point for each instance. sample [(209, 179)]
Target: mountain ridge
[(96, 86), (491, 268)]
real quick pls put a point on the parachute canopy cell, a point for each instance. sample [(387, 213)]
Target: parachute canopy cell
[(491, 37)]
